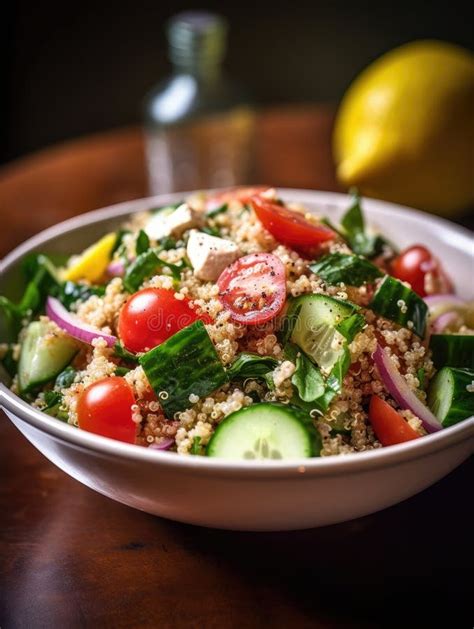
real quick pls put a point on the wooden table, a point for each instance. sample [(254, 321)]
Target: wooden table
[(72, 558)]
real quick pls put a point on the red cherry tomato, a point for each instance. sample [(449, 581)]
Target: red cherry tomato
[(388, 425), (412, 266), (105, 408), (151, 316), (253, 288), (242, 195), (291, 228)]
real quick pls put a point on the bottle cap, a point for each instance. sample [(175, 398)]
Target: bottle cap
[(197, 38)]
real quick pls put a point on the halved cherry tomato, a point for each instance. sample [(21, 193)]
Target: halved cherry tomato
[(253, 288), (412, 266), (151, 316), (291, 228), (105, 408), (242, 195), (389, 426)]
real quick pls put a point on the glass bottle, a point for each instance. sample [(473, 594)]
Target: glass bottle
[(198, 122)]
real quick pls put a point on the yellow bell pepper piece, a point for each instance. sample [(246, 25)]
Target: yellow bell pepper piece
[(91, 263)]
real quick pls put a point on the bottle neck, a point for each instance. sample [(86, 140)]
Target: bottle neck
[(197, 44)]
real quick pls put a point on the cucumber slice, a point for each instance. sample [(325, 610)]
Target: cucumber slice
[(395, 301), (313, 322), (43, 356), (449, 397), (186, 364), (348, 268), (453, 350), (265, 431)]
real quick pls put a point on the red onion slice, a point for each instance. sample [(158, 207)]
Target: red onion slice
[(73, 326), (165, 444), (116, 269), (400, 391), (444, 321), (448, 298)]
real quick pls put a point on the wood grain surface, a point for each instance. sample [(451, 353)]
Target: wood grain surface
[(72, 558)]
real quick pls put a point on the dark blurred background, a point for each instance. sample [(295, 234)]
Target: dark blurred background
[(71, 69)]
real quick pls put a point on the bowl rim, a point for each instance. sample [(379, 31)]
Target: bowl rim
[(318, 466)]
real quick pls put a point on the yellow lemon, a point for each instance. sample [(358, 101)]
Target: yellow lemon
[(92, 262), (405, 128)]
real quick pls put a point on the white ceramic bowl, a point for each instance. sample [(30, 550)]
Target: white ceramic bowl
[(245, 495)]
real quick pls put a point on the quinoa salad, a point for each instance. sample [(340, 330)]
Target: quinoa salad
[(241, 326)]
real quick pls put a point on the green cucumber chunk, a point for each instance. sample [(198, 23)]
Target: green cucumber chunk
[(453, 350), (43, 356), (450, 396), (314, 324), (353, 270), (185, 364), (265, 431), (395, 301)]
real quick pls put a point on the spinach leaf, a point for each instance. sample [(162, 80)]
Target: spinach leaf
[(166, 243), (9, 363), (65, 378), (248, 365), (211, 231), (307, 379), (70, 292), (368, 245), (54, 400), (196, 448), (217, 211), (146, 265), (143, 242), (119, 240), (12, 317), (351, 269), (122, 371)]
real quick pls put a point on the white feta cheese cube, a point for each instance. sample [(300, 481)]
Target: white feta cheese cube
[(170, 222), (210, 255)]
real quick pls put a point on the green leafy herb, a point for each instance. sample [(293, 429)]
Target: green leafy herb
[(166, 243), (307, 379), (421, 375), (196, 448), (121, 352), (54, 401), (65, 378), (69, 293), (146, 265), (12, 317), (9, 363), (170, 206), (248, 365), (143, 242), (211, 231), (217, 211), (362, 243), (351, 269), (119, 240)]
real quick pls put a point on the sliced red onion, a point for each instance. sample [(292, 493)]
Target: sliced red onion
[(398, 388), (165, 444), (73, 326), (448, 298), (444, 321), (116, 268)]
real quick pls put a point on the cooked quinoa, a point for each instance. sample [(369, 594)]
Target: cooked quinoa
[(343, 426)]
